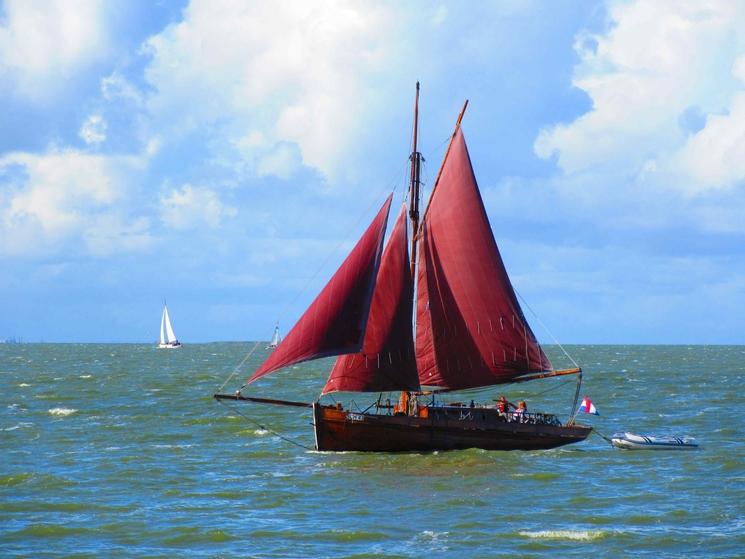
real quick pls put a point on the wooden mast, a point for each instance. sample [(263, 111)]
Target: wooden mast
[(416, 164), (414, 183)]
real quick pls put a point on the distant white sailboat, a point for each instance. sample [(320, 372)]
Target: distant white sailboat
[(276, 338), (168, 339)]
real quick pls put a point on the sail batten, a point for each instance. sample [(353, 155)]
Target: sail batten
[(386, 361), (461, 284), (335, 323)]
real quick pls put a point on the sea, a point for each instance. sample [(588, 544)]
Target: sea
[(116, 450)]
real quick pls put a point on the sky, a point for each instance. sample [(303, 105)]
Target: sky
[(225, 155)]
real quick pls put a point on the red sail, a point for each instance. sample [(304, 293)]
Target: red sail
[(386, 361), (335, 322), (471, 331)]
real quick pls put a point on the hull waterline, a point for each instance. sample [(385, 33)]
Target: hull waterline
[(443, 428)]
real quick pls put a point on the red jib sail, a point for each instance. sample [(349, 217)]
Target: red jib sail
[(386, 361), (471, 331), (335, 322)]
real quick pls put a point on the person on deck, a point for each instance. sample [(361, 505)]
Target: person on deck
[(402, 408), (522, 409), (413, 409), (503, 406)]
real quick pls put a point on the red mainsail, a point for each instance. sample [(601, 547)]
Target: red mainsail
[(335, 322), (387, 360), (470, 331)]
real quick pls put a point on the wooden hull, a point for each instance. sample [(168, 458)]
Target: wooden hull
[(443, 428)]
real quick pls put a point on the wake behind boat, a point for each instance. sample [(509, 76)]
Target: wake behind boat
[(470, 331), (168, 338)]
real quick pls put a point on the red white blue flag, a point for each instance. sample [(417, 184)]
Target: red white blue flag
[(587, 407)]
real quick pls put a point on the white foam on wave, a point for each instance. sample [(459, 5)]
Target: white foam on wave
[(574, 535), (431, 540), (432, 536), (24, 385), (261, 432), (62, 411), (86, 376)]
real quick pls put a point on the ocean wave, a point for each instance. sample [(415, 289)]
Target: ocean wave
[(62, 412), (574, 535), (17, 426), (24, 385), (47, 531), (86, 376)]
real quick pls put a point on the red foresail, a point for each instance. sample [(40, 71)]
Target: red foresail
[(471, 331), (386, 361), (335, 322)]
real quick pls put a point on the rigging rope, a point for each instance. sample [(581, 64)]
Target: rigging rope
[(468, 391), (534, 394), (538, 318), (265, 428), (237, 368), (335, 250), (599, 434)]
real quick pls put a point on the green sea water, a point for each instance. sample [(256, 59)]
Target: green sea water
[(120, 451)]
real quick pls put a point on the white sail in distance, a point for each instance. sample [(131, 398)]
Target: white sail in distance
[(167, 336)]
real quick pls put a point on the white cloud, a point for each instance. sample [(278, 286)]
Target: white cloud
[(116, 87), (281, 161), (192, 207), (283, 71), (658, 65), (42, 44), (715, 156), (58, 185), (54, 198), (93, 130)]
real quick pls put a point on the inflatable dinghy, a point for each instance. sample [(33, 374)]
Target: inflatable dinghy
[(629, 441)]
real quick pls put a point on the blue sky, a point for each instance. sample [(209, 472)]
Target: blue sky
[(225, 155)]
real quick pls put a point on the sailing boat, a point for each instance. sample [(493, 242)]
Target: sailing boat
[(470, 331), (168, 339), (275, 338)]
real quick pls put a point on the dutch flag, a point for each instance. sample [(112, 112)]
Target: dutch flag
[(587, 406)]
